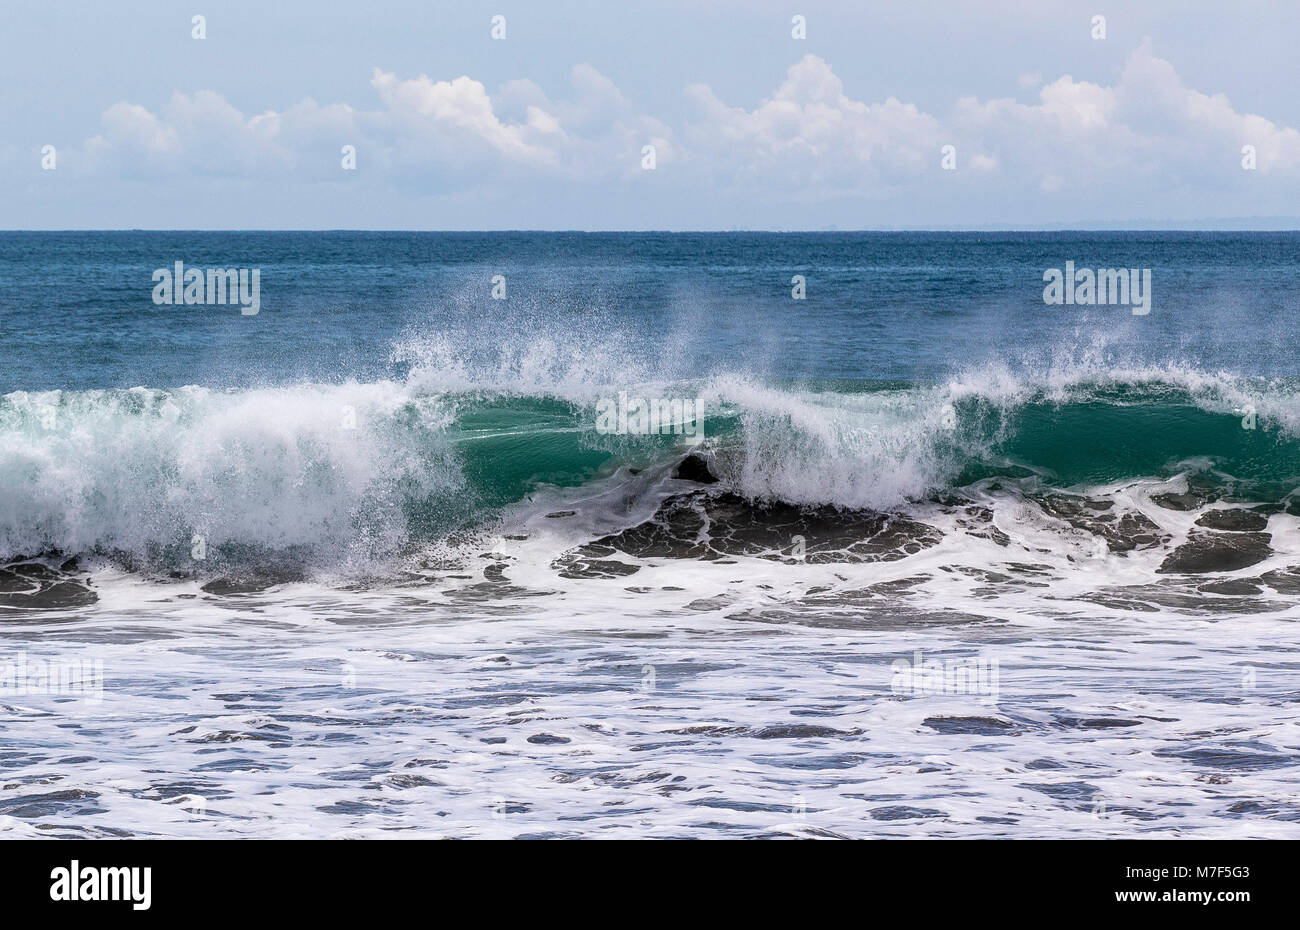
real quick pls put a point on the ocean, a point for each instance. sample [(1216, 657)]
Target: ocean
[(906, 550)]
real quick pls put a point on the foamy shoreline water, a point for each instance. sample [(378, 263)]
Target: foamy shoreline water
[(738, 697), (292, 716)]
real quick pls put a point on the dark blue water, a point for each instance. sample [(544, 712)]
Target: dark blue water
[(77, 312)]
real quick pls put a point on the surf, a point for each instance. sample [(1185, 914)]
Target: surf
[(350, 476)]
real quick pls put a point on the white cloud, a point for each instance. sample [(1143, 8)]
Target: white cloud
[(460, 112), (810, 138), (809, 141)]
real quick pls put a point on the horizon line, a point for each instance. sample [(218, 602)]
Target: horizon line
[(684, 231)]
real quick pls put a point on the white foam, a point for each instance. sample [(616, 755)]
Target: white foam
[(133, 470)]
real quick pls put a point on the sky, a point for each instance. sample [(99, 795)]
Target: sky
[(751, 127)]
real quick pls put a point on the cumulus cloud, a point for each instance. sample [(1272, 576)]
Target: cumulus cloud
[(423, 130), (809, 140), (460, 112)]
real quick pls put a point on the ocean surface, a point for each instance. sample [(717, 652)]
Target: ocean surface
[(938, 559)]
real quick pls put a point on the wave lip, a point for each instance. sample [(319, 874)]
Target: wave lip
[(155, 473), (879, 446), (353, 476)]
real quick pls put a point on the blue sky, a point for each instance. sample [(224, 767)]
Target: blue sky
[(751, 127)]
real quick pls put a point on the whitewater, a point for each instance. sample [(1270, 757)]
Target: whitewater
[(467, 615)]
